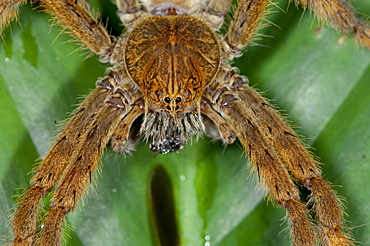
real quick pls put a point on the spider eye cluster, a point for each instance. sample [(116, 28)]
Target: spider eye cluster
[(172, 104)]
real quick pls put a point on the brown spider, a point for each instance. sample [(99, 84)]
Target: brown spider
[(184, 63)]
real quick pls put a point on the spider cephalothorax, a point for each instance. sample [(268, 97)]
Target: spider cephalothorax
[(172, 68), (172, 59)]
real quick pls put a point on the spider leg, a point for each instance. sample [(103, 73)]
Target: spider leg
[(341, 16), (9, 11), (303, 168), (224, 130), (245, 23), (278, 154), (239, 113), (75, 17), (338, 13), (121, 141), (82, 165), (48, 173)]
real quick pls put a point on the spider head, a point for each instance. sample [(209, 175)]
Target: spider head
[(172, 59), (170, 120)]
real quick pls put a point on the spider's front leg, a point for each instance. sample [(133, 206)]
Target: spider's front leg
[(79, 172), (25, 218), (279, 158), (71, 162)]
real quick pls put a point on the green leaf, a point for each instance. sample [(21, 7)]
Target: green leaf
[(322, 86)]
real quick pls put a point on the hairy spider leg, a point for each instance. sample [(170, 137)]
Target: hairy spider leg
[(82, 165), (86, 29), (339, 15), (51, 168), (283, 150)]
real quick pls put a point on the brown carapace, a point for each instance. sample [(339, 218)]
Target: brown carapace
[(172, 59), (172, 67)]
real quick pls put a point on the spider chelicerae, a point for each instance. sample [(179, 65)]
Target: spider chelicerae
[(171, 111)]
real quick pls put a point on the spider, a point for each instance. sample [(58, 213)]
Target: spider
[(172, 114)]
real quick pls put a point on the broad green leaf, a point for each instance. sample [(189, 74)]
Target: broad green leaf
[(322, 86)]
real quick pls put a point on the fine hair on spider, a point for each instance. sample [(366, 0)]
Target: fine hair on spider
[(170, 71)]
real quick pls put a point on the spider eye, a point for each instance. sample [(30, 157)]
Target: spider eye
[(167, 100), (177, 107), (178, 99), (168, 108)]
